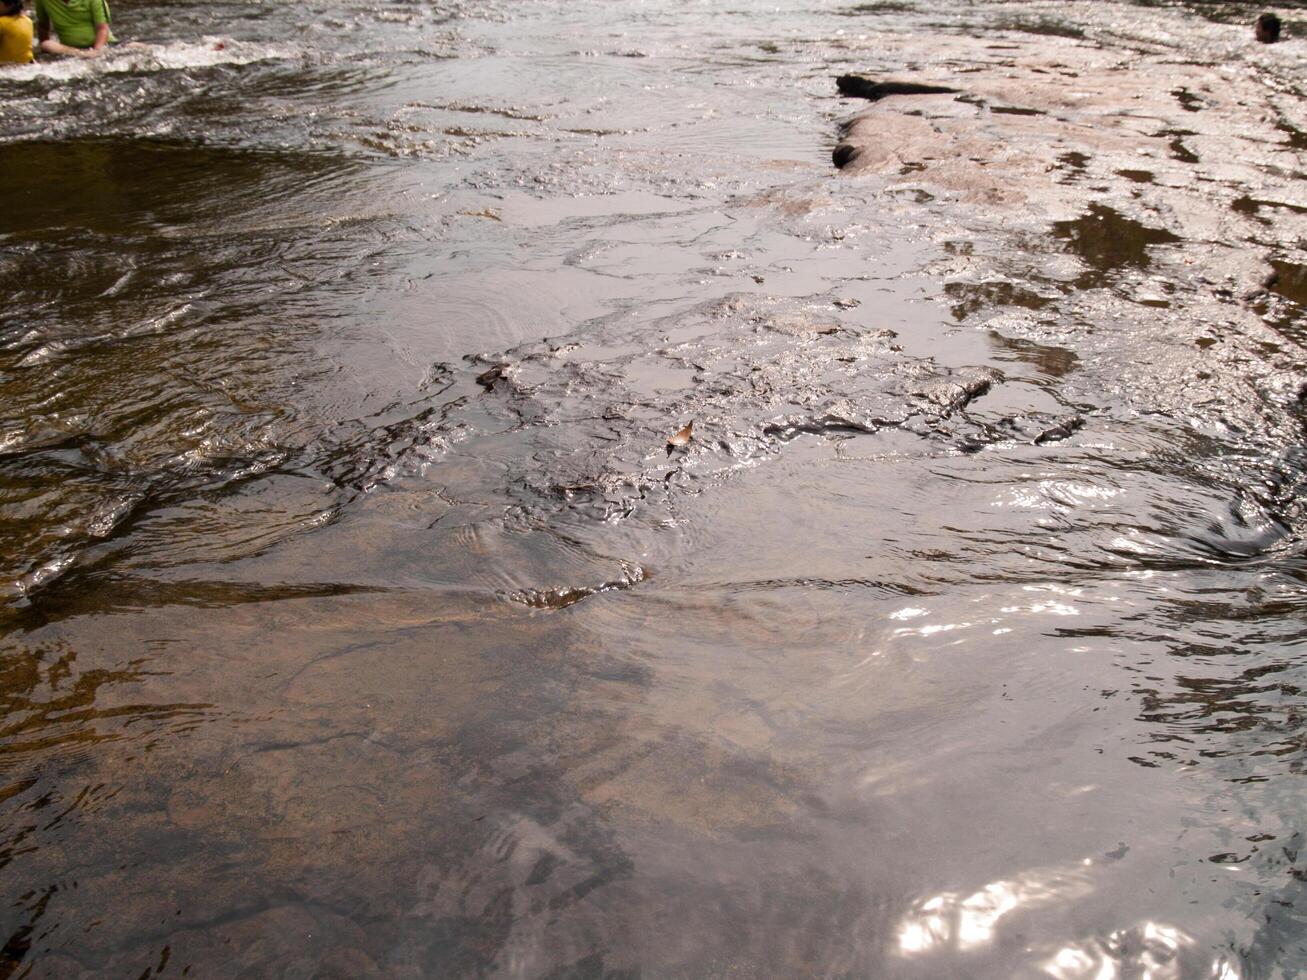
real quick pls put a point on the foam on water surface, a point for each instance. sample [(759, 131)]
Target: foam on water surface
[(138, 58)]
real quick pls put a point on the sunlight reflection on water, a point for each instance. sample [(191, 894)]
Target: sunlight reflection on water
[(950, 920)]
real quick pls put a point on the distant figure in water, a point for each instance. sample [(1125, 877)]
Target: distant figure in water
[(81, 27), (15, 33), (1267, 28)]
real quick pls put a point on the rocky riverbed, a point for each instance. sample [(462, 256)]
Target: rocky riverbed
[(563, 490)]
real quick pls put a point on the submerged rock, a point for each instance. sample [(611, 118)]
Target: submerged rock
[(583, 425)]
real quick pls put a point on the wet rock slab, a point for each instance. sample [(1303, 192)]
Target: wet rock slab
[(580, 423)]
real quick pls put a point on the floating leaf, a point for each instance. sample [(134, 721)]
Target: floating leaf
[(682, 438)]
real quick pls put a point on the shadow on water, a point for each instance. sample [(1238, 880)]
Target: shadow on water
[(1107, 241), (122, 187), (83, 594), (1297, 137), (971, 297), (1043, 27), (1054, 361), (878, 7), (159, 331), (1285, 307), (1291, 281)]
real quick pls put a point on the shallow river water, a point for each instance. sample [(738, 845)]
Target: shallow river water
[(357, 620)]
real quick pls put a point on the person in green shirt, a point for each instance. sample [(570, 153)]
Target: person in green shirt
[(81, 27)]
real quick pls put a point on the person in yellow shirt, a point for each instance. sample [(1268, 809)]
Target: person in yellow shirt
[(15, 33)]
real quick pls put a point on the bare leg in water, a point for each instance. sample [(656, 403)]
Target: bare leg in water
[(51, 46)]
